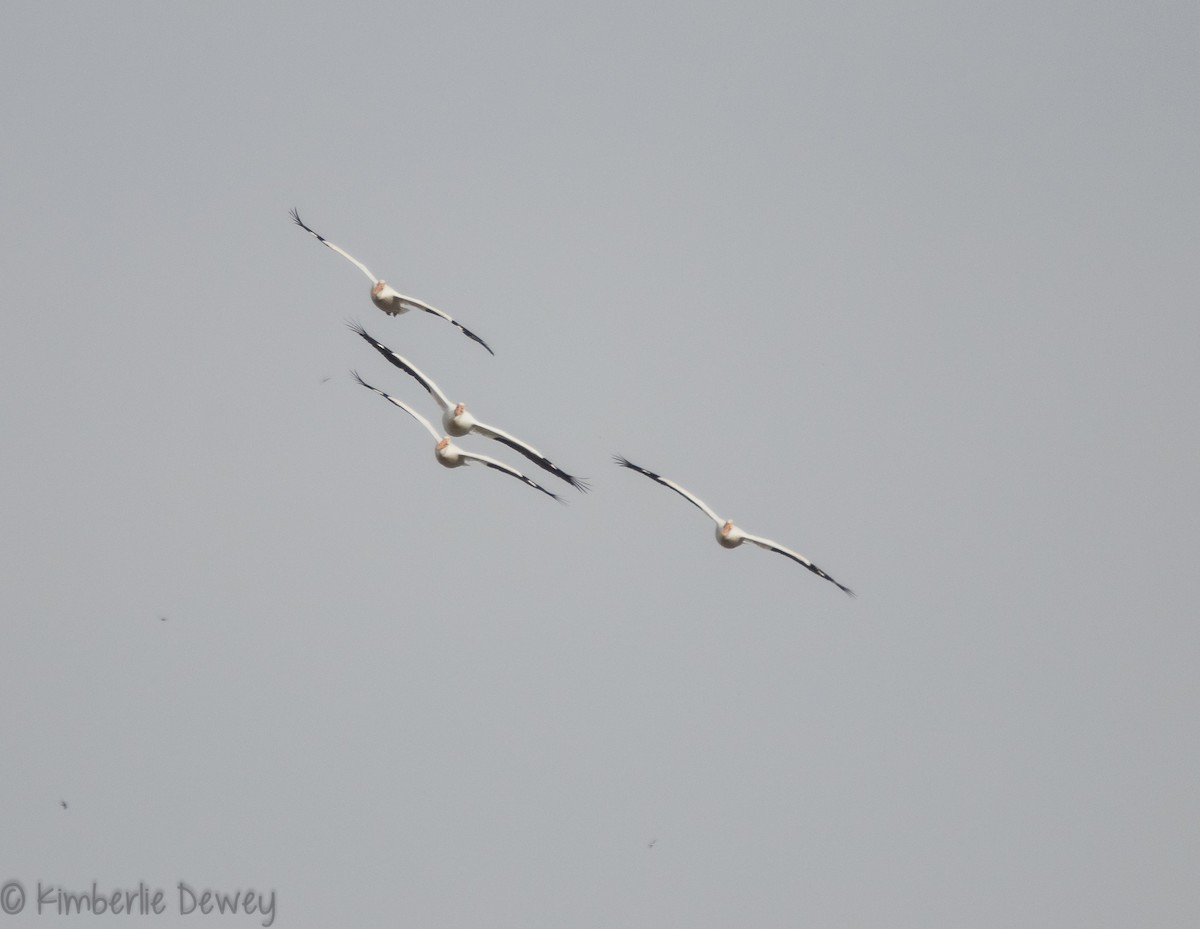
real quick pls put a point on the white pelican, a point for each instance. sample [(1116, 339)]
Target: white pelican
[(457, 421), (729, 535), (450, 455), (382, 294)]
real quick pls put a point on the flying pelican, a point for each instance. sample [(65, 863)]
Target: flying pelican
[(457, 421), (729, 535), (383, 296), (450, 455)]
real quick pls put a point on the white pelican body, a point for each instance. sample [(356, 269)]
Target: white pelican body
[(390, 300), (450, 455), (386, 297), (729, 535), (458, 422)]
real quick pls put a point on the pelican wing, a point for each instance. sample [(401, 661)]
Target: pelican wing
[(626, 463), (404, 406), (531, 453), (404, 365), (501, 466), (421, 305), (324, 241), (798, 558)]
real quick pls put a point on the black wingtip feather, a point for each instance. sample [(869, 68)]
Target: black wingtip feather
[(358, 378), (470, 335), (840, 586), (548, 493), (544, 463), (295, 214), (626, 463)]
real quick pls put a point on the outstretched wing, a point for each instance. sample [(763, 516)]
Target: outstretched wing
[(501, 466), (531, 453), (421, 305), (798, 558), (400, 403), (404, 365), (626, 463), (324, 241)]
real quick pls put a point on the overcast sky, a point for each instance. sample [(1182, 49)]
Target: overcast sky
[(908, 289)]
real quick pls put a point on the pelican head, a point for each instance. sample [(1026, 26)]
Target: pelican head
[(460, 409), (729, 535), (378, 288), (445, 440)]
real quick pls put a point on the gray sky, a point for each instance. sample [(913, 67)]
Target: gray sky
[(911, 290)]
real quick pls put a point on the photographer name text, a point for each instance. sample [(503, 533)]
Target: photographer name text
[(141, 901)]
